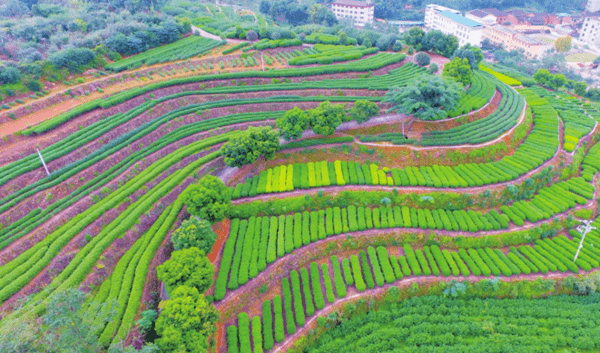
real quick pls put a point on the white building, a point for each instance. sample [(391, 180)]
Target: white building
[(362, 12), (590, 31), (431, 14), (593, 5), (482, 17), (451, 22)]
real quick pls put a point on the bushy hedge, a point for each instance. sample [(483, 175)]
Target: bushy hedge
[(357, 274), (308, 297), (298, 307), (317, 290), (340, 286)]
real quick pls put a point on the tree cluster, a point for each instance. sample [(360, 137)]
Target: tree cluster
[(324, 119), (247, 146), (434, 41)]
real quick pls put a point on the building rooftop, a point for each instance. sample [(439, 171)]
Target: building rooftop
[(353, 3), (478, 13), (503, 29), (460, 19), (492, 10), (528, 40)]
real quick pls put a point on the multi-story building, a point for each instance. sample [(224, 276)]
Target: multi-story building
[(466, 30), (512, 40), (361, 12), (593, 5), (431, 14), (590, 31), (481, 17)]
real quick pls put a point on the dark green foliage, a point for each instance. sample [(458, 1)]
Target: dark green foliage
[(247, 146)]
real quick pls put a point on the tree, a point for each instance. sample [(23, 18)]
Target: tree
[(186, 321), (66, 326), (433, 68), (9, 74), (557, 81), (208, 199), (466, 54), (580, 88), (194, 232), (542, 77), (458, 69), (187, 267), (414, 36), (476, 52), (343, 39), (450, 45), (593, 94), (430, 99), (292, 124), (265, 6), (422, 59), (247, 146), (385, 41), (363, 110), (326, 118), (563, 44)]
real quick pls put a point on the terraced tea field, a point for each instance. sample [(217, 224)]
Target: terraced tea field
[(330, 228)]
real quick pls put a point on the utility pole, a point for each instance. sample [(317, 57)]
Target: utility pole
[(42, 159), (583, 229)]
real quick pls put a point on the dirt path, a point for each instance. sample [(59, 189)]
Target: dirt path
[(205, 34)]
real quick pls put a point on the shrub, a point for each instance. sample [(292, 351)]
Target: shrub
[(327, 282), (287, 302), (298, 307), (356, 272), (34, 85), (244, 332), (315, 278), (422, 59), (278, 314), (308, 298)]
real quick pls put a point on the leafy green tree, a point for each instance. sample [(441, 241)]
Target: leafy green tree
[(430, 99), (557, 81), (363, 110), (247, 146), (326, 118), (542, 77), (476, 52), (208, 199), (414, 36), (292, 124), (148, 318), (188, 267), (466, 54), (422, 59), (186, 322), (68, 325), (9, 74), (593, 94), (194, 232), (580, 88), (458, 69)]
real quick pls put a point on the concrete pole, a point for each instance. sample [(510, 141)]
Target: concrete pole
[(42, 159)]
